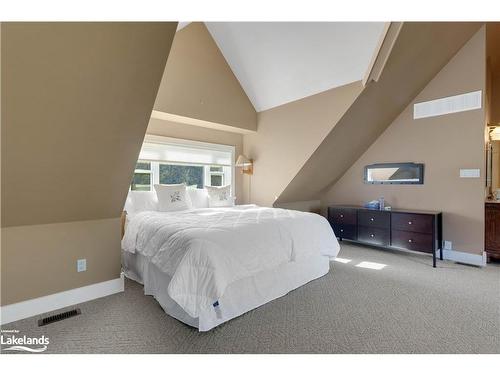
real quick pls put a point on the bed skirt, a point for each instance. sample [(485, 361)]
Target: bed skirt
[(240, 297)]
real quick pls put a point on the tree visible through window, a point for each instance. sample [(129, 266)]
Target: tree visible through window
[(147, 174), (177, 174)]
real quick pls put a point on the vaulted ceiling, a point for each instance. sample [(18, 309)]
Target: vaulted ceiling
[(279, 62)]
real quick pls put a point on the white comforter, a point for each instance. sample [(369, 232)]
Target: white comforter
[(205, 250)]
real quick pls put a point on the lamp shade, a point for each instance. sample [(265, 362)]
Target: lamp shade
[(494, 135), (243, 161)]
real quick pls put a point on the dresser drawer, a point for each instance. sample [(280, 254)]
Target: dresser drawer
[(349, 232), (374, 219), (412, 241), (413, 222), (375, 236), (339, 215)]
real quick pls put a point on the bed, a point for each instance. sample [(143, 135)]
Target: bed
[(206, 266)]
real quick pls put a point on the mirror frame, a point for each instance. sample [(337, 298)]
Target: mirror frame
[(420, 167)]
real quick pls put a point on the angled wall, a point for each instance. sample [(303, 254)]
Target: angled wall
[(199, 87), (76, 101), (444, 144), (418, 54), (287, 136)]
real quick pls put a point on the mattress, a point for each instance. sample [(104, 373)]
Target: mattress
[(239, 297)]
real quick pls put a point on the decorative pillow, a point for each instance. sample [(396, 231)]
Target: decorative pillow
[(172, 197), (219, 196), (199, 197)]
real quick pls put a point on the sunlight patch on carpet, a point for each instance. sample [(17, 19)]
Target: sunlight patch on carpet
[(371, 265)]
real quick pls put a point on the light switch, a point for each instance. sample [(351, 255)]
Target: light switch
[(470, 173), (81, 265)]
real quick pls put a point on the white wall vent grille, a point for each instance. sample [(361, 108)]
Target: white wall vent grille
[(450, 104)]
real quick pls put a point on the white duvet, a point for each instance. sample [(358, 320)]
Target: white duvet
[(205, 250)]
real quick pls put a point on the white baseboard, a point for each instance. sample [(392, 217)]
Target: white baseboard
[(467, 258), (35, 306)]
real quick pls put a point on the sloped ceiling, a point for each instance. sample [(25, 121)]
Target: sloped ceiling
[(280, 62), (76, 101), (421, 50), (198, 86)]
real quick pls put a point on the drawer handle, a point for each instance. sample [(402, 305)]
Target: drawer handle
[(341, 215), (341, 230), (372, 235), (410, 240), (371, 219), (410, 223)]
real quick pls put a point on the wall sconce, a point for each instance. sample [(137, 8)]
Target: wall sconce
[(245, 164), (495, 133)]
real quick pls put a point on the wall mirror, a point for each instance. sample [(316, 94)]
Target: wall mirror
[(394, 173)]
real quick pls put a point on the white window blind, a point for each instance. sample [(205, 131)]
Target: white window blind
[(185, 154)]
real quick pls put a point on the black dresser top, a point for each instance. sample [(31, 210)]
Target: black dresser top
[(422, 212)]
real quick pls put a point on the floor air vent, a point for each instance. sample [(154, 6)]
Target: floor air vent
[(58, 317)]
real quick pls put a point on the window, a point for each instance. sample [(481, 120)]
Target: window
[(149, 173), (170, 161), (216, 180), (142, 177), (216, 176)]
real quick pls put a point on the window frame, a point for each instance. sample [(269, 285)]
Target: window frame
[(226, 169), (209, 174)]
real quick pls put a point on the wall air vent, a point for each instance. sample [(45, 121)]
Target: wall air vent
[(450, 104), (58, 317)]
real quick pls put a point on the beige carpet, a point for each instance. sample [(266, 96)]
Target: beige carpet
[(405, 307)]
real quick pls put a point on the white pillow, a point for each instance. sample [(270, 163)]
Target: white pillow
[(219, 196), (199, 197), (138, 201), (172, 197)]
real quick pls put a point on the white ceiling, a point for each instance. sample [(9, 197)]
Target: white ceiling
[(279, 62)]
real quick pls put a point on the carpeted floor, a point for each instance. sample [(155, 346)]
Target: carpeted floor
[(405, 307)]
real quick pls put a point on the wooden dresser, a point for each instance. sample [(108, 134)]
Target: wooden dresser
[(492, 233), (395, 229)]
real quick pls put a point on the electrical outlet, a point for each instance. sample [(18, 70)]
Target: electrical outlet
[(447, 245), (81, 265), (470, 173)]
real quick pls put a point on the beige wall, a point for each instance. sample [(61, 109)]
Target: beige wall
[(444, 144), (421, 50), (38, 260), (196, 133), (76, 100), (287, 135), (199, 84), (306, 206)]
